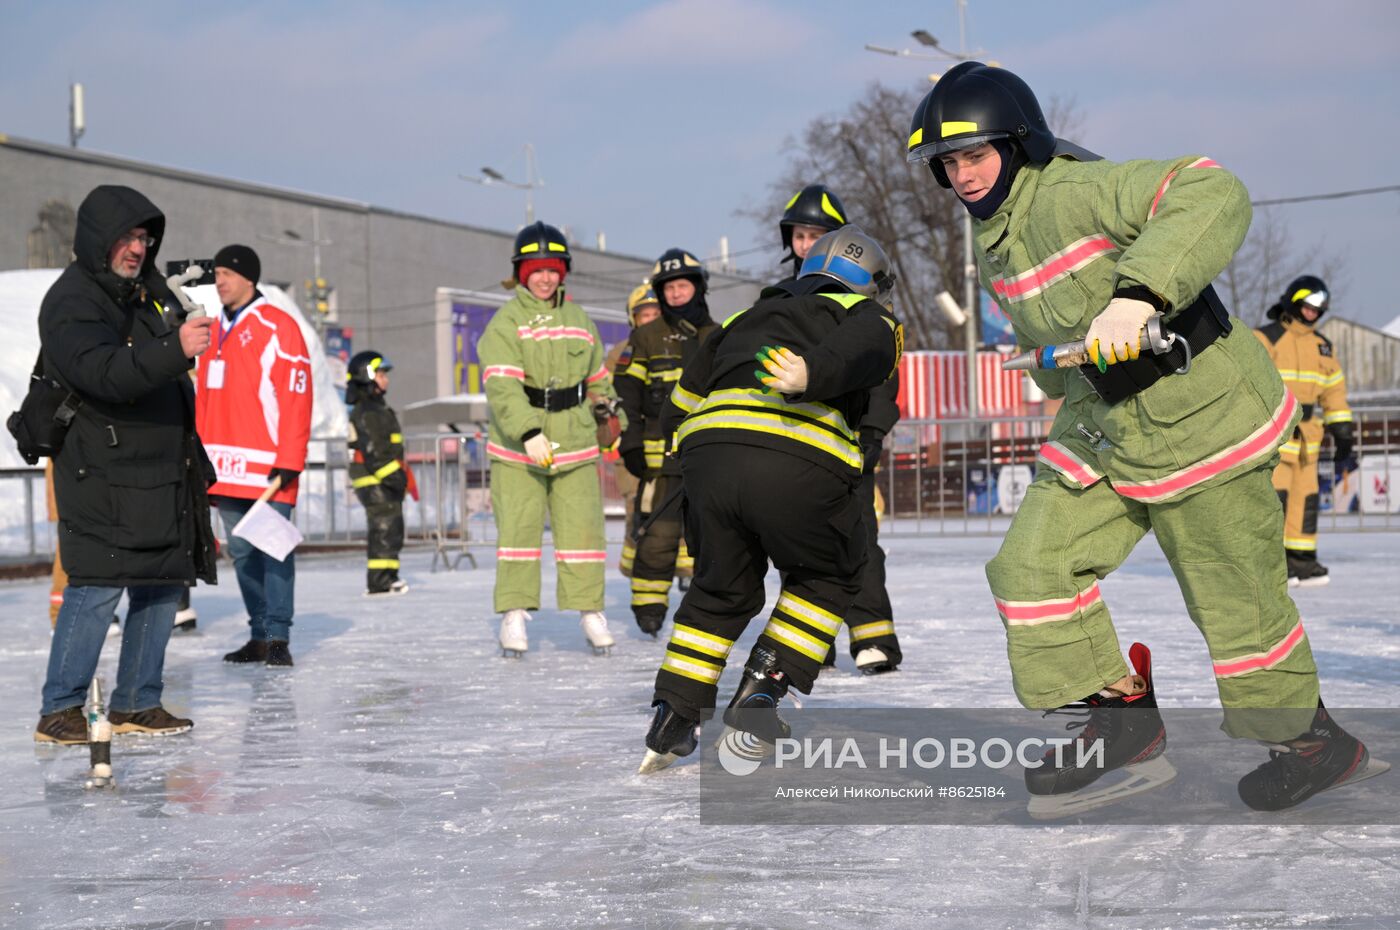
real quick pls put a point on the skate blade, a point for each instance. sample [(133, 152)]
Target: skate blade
[(1136, 779), (1314, 582), (508, 653), (1373, 768), (884, 668), (656, 761), (601, 650)]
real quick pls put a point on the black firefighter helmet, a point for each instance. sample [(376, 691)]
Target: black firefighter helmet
[(541, 240), (814, 205), (972, 104), (678, 263), (1305, 289)]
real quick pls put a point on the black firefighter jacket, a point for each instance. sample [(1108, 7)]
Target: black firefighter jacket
[(130, 480)]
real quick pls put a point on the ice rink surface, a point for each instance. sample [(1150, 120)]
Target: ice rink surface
[(403, 775)]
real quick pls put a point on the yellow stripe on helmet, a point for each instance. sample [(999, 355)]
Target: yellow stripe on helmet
[(831, 211), (914, 140)]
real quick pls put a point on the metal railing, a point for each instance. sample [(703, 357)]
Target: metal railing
[(958, 477)]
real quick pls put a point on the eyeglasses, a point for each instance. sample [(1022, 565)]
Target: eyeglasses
[(132, 238)]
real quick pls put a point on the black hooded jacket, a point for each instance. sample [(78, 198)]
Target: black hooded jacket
[(130, 480)]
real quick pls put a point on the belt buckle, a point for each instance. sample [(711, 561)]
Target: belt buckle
[(547, 391)]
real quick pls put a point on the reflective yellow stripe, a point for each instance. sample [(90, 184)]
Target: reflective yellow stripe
[(642, 600), (686, 400), (364, 482), (670, 374), (1296, 542), (650, 444), (396, 437), (643, 584), (1337, 416), (872, 630), (655, 459), (383, 563), (809, 612), (956, 128), (636, 370), (532, 247), (831, 211), (734, 317), (1332, 380), (558, 247), (914, 140), (788, 205), (758, 421), (690, 667), (800, 640), (388, 470), (701, 641)]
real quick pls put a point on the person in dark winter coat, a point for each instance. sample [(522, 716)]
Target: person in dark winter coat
[(131, 477), (377, 471)]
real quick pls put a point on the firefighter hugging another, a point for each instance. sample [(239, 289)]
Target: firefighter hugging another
[(771, 464)]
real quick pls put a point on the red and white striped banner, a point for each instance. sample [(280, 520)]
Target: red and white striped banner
[(934, 385)]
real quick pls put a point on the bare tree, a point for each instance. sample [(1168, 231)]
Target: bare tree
[(1267, 261), (861, 155)]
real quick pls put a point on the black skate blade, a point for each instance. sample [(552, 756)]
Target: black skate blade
[(884, 668), (601, 650), (512, 653), (1133, 779)]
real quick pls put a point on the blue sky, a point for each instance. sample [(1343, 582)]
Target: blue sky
[(656, 121)]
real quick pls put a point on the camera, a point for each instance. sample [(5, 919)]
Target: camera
[(178, 266)]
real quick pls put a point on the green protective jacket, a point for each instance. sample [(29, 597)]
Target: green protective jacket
[(1067, 237), (542, 344)]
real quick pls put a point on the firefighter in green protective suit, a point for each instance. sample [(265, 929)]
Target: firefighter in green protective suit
[(541, 357), (1181, 443), (377, 470)]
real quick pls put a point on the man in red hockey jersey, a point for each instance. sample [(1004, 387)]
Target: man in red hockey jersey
[(253, 408)]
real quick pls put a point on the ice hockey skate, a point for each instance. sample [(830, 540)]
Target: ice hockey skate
[(186, 620), (595, 630), (670, 738), (1133, 739), (396, 588), (650, 618), (751, 722), (514, 641), (1323, 758), (1305, 571), (872, 660)]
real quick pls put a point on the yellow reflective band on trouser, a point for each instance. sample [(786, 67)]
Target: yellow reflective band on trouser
[(686, 400), (646, 600), (1308, 544), (383, 563), (796, 639), (396, 437), (647, 584), (1337, 416), (872, 630), (690, 667), (700, 641), (824, 620)]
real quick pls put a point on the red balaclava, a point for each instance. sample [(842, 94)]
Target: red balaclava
[(530, 265)]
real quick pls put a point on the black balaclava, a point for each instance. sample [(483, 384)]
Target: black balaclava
[(694, 311), (1012, 158)]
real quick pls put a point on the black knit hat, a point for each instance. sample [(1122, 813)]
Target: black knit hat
[(241, 259)]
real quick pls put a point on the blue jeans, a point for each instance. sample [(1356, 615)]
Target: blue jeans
[(267, 584), (83, 622)]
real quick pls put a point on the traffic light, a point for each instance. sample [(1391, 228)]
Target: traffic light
[(318, 295)]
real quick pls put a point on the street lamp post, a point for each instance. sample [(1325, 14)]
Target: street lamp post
[(970, 302), (490, 176), (293, 238)]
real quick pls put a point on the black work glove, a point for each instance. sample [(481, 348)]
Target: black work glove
[(288, 475), (1343, 447), (635, 461)]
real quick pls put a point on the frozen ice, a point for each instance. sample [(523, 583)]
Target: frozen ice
[(403, 775)]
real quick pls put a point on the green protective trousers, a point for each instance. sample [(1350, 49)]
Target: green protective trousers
[(1225, 546), (573, 499)]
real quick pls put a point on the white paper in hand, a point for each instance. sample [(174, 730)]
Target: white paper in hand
[(269, 531)]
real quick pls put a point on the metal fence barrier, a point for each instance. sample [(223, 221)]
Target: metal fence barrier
[(939, 477)]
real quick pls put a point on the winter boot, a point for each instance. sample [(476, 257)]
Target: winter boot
[(1128, 724), (514, 641), (754, 709), (595, 630), (1304, 570), (254, 650), (650, 617), (154, 721), (872, 660), (1324, 757), (278, 653), (67, 727), (671, 736)]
